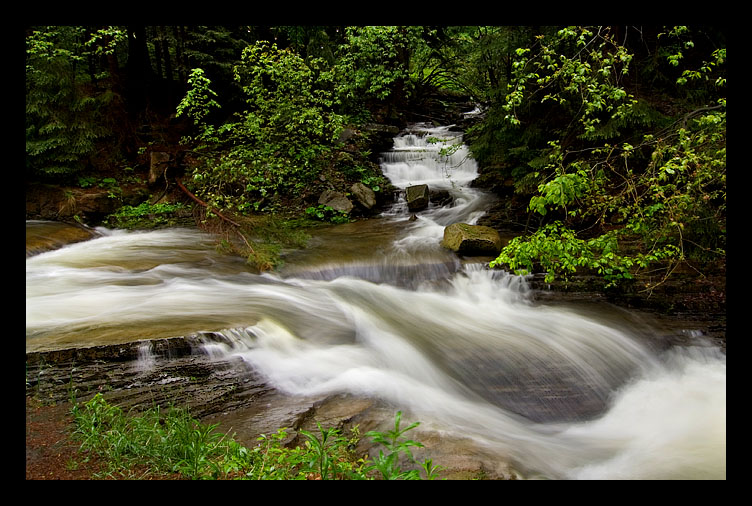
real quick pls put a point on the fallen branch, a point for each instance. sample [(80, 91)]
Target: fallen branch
[(198, 200), (204, 204)]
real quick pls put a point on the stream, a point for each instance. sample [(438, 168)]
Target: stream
[(377, 309)]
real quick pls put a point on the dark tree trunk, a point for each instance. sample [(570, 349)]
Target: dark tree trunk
[(139, 72), (165, 46)]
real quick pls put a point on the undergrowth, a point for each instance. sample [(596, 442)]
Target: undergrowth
[(170, 442)]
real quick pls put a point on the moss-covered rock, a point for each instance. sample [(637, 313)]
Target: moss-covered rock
[(471, 240)]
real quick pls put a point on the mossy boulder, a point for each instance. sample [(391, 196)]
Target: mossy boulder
[(471, 240)]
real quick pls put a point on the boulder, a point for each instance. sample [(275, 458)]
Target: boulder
[(471, 240), (441, 198), (363, 195), (336, 201), (417, 197)]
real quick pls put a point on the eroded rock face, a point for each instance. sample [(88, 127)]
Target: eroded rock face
[(60, 203), (471, 240)]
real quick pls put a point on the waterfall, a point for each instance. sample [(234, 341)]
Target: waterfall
[(437, 157), (563, 393)]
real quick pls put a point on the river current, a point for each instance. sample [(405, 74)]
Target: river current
[(377, 308)]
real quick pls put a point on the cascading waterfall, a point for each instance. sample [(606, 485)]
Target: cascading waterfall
[(565, 394), (437, 157)]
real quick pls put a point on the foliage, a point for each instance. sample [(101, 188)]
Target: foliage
[(327, 213), (166, 442), (387, 464), (63, 117), (198, 101), (161, 442), (261, 238), (144, 215), (375, 62), (612, 166), (473, 60), (274, 147)]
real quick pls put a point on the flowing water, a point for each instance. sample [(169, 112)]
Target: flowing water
[(378, 309)]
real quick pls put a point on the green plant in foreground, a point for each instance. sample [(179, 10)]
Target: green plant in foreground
[(388, 464), (171, 441)]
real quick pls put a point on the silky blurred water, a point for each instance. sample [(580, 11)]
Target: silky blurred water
[(565, 393)]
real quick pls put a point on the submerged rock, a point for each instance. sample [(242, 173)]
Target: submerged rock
[(471, 240), (417, 197)]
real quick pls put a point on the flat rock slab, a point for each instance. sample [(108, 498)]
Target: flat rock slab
[(44, 236)]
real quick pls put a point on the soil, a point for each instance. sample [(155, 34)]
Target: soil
[(50, 452)]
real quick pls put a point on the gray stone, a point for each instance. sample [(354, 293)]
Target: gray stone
[(336, 201), (364, 195), (471, 240), (417, 197), (346, 135)]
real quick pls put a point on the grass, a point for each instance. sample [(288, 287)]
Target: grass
[(163, 443)]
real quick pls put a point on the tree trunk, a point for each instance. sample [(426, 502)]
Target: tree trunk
[(178, 33), (164, 43), (139, 73)]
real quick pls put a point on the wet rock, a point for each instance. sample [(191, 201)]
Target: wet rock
[(417, 197), (441, 197), (471, 240), (49, 235), (364, 195), (336, 201)]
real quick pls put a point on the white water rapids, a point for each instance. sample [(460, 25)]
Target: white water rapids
[(566, 394)]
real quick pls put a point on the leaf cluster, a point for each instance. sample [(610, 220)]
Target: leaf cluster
[(618, 171), (277, 144)]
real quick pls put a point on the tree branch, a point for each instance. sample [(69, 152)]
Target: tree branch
[(201, 202)]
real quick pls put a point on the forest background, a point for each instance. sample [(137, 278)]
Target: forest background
[(612, 137)]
